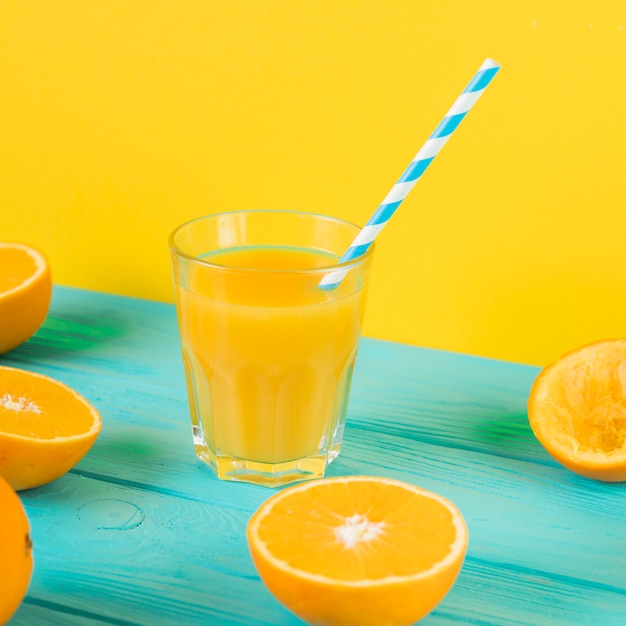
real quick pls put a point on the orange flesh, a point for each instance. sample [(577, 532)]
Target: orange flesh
[(587, 401), (399, 535), (40, 409)]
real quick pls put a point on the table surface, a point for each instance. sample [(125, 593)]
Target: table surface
[(141, 532)]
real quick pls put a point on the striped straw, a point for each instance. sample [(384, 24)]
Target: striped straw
[(416, 168)]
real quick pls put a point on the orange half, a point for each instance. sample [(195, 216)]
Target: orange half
[(16, 561), (577, 410), (25, 293), (358, 550), (45, 428)]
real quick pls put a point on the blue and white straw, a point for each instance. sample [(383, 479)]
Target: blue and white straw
[(416, 168)]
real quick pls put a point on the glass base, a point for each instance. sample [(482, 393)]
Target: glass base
[(266, 474)]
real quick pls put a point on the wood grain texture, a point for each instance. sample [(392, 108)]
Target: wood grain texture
[(141, 532)]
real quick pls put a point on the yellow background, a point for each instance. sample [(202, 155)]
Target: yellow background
[(120, 118)]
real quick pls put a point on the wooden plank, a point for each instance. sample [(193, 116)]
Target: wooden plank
[(119, 552), (141, 532), (122, 553), (35, 612)]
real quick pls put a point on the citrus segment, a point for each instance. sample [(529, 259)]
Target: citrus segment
[(25, 293), (16, 562), (358, 550), (577, 410), (45, 428)]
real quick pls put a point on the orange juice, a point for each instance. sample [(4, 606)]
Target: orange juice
[(268, 355)]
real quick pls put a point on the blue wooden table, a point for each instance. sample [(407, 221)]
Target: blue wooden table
[(141, 532)]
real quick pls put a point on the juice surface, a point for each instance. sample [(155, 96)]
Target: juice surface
[(268, 354), (271, 258)]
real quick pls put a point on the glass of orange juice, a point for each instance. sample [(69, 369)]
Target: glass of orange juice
[(268, 352)]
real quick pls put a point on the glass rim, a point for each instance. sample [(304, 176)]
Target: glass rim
[(347, 265)]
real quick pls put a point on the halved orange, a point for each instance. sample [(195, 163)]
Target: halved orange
[(45, 428), (16, 558), (358, 550), (577, 410), (25, 293)]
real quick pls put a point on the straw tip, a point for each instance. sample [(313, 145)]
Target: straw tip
[(490, 64)]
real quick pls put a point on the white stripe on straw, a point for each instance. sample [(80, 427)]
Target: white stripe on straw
[(416, 168)]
